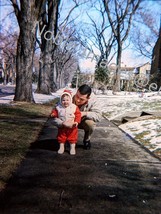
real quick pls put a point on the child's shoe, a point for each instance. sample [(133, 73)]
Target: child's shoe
[(72, 149), (61, 149)]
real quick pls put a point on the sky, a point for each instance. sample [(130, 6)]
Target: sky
[(128, 60), (7, 18)]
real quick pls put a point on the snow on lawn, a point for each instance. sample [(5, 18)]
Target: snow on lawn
[(43, 98), (116, 105), (146, 131)]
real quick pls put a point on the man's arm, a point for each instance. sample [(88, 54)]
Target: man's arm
[(93, 111)]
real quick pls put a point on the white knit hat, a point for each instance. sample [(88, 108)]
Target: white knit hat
[(67, 92)]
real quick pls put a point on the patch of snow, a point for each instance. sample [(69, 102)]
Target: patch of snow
[(149, 132), (42, 98)]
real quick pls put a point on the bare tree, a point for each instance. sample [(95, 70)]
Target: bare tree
[(68, 53), (48, 29), (8, 42), (51, 39), (97, 36), (145, 33), (66, 66), (27, 13), (120, 14)]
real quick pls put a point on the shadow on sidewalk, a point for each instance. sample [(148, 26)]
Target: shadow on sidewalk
[(49, 144)]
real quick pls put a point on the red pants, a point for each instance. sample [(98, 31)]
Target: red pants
[(67, 134)]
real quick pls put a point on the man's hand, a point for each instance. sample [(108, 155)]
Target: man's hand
[(83, 113)]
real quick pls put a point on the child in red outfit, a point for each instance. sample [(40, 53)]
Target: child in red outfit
[(67, 111)]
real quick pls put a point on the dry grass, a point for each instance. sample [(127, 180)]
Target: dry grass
[(20, 125)]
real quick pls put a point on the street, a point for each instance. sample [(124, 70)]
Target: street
[(6, 90)]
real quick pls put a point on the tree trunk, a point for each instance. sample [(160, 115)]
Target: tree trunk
[(118, 68), (27, 13), (24, 63), (48, 29), (53, 78), (44, 74)]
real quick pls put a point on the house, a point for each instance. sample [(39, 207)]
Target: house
[(143, 70), (128, 74)]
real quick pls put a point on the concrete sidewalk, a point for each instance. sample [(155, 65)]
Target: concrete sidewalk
[(117, 176)]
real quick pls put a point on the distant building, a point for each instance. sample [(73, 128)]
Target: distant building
[(156, 59), (127, 74), (143, 70)]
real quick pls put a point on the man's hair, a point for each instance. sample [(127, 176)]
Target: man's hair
[(85, 90)]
